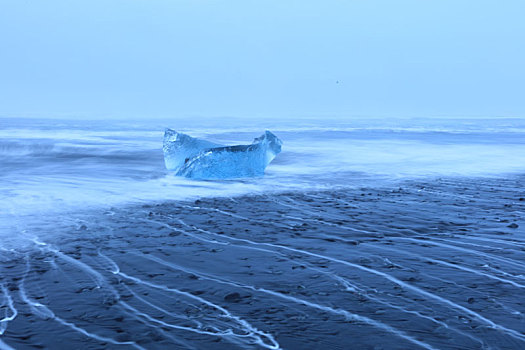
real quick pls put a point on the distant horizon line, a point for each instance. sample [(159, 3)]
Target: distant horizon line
[(270, 117)]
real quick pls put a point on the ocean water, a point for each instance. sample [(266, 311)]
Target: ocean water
[(363, 233), (56, 167)]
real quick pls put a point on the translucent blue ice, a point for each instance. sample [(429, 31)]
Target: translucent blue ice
[(199, 159)]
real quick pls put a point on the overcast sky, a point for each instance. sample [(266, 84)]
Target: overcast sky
[(152, 58)]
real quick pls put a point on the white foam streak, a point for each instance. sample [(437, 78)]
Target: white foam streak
[(350, 287), (14, 312), (407, 286), (475, 244), (348, 315), (256, 333), (509, 242), (445, 263), (44, 312), (164, 311), (464, 250)]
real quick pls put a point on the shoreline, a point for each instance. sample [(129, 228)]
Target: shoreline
[(431, 264)]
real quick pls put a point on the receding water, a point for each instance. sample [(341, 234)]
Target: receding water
[(364, 233), (62, 165)]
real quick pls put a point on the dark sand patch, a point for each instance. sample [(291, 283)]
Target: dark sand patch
[(429, 264)]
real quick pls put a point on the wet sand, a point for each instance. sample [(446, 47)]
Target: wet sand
[(426, 264)]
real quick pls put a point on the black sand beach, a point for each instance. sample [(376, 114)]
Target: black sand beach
[(427, 264)]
